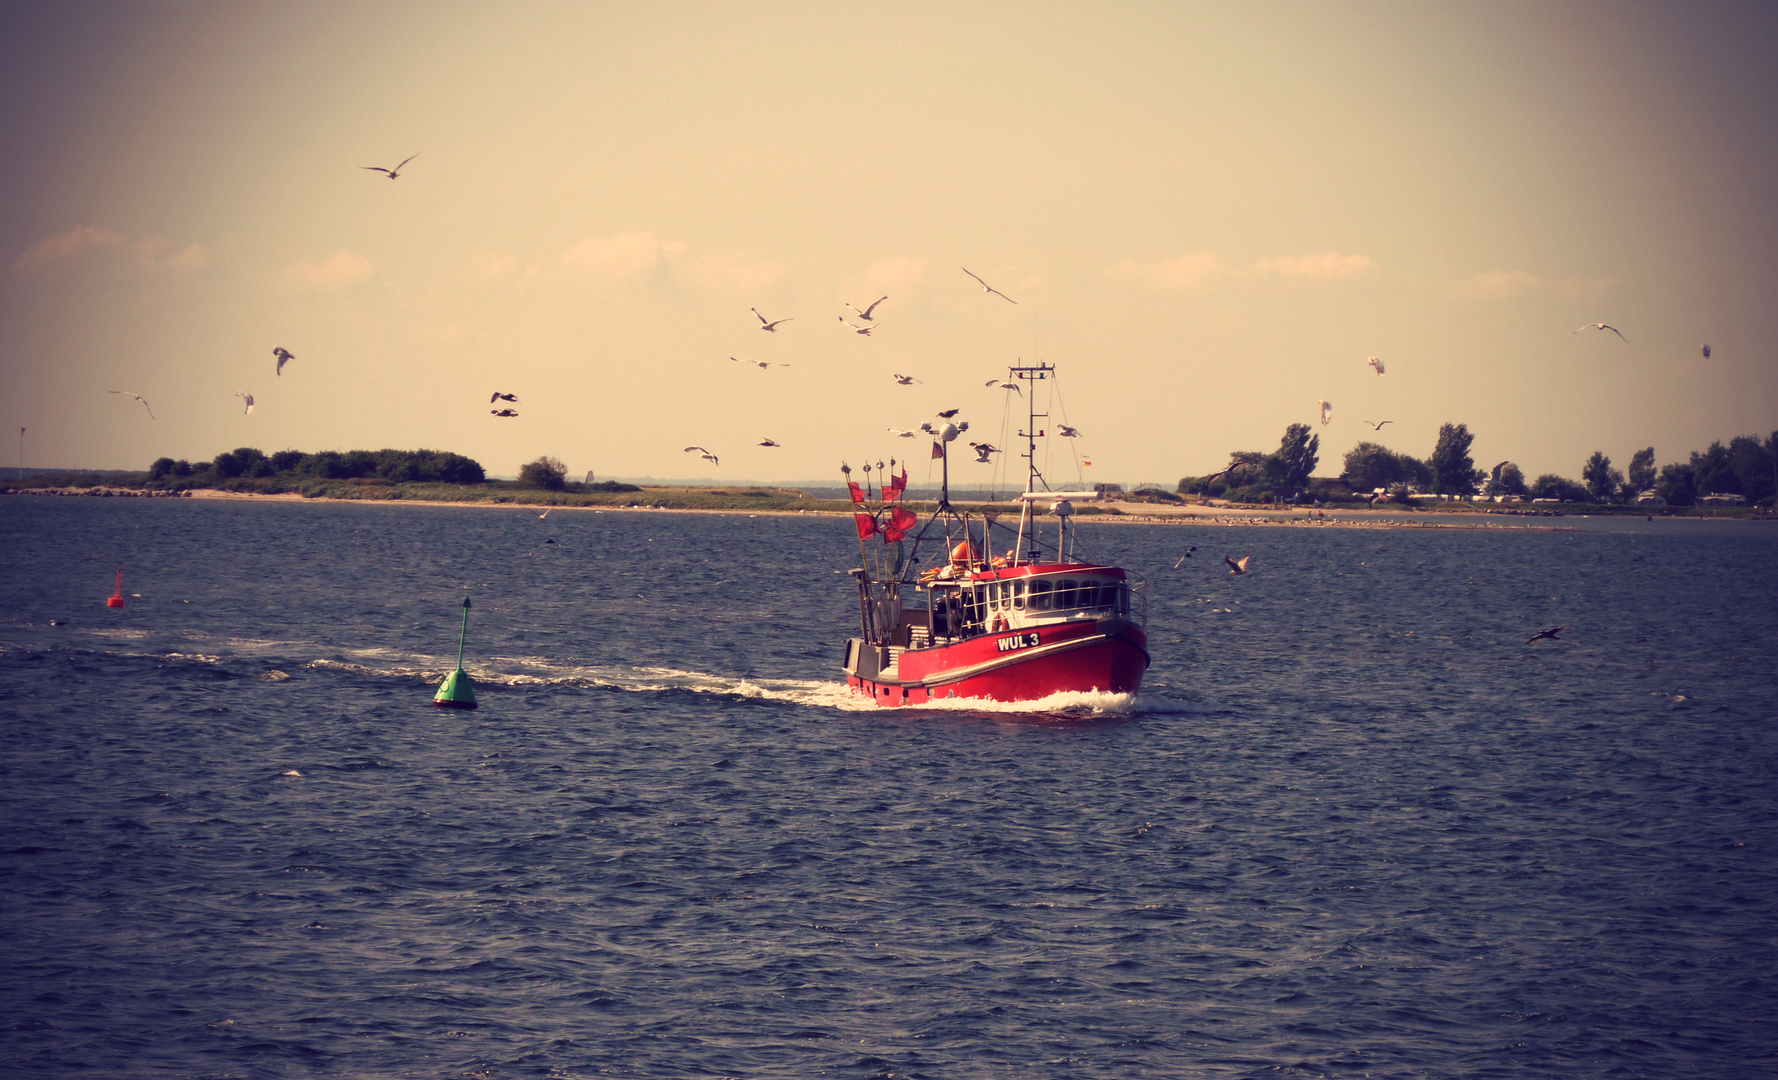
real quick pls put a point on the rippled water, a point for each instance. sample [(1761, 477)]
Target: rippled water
[(1354, 825)]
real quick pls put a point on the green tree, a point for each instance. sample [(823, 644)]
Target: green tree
[(1677, 483), (1298, 454), (1551, 486), (1713, 472), (286, 460), (1752, 463), (161, 469), (1512, 480), (1642, 470), (1603, 481), (1453, 471), (546, 473)]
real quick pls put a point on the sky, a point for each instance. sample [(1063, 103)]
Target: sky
[(1209, 215)]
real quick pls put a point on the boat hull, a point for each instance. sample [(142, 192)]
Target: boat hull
[(1108, 655)]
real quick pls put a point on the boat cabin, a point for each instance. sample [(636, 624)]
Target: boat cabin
[(993, 601)]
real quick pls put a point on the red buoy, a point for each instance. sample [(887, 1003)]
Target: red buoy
[(117, 597)]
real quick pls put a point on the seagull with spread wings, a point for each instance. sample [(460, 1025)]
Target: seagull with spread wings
[(1376, 362), (1599, 326), (763, 364), (504, 412), (393, 173), (284, 356), (1377, 425), (1326, 411), (865, 314), (1238, 567), (246, 397), (138, 397), (989, 288), (498, 396), (1550, 634), (1004, 385), (855, 328), (769, 442), (703, 453), (900, 434), (904, 380), (1067, 432), (768, 325)]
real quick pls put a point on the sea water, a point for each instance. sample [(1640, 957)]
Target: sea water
[(1354, 825)]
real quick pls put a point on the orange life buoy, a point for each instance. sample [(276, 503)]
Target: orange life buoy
[(999, 623)]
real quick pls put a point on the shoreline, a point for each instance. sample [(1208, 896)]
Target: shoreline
[(1137, 513)]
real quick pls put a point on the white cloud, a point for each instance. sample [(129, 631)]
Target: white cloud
[(620, 256), (1327, 264), (885, 277), (733, 272), (191, 259), (340, 270), (1200, 269), (51, 250), (1170, 275)]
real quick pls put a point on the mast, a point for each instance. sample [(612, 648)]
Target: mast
[(1033, 374)]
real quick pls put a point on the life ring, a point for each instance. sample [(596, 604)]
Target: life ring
[(999, 623)]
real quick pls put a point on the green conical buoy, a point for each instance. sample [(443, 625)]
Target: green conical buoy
[(458, 690)]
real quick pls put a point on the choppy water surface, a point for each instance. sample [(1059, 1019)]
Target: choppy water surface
[(1354, 825)]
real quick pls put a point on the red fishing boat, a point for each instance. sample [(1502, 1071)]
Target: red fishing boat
[(1020, 626)]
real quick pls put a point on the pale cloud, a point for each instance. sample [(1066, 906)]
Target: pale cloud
[(1328, 265), (340, 270), (889, 276), (1170, 275), (51, 250), (638, 253), (620, 256), (1497, 285), (1506, 284), (494, 266), (1200, 269), (733, 272), (191, 259)]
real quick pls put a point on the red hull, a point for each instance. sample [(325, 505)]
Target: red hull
[(1027, 665)]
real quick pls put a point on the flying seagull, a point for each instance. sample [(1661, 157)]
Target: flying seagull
[(1378, 425), (246, 397), (855, 328), (900, 434), (1237, 567), (1494, 473), (989, 288), (1002, 384), (1376, 362), (393, 173), (498, 396), (865, 314), (769, 442), (1326, 411), (703, 453), (1187, 555), (545, 514), (1550, 633), (763, 364), (504, 412), (769, 326), (138, 397), (1068, 432), (283, 355), (906, 380), (1599, 326), (1706, 351), (982, 450)]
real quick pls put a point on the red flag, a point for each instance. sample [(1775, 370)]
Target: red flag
[(857, 492), (900, 521), (867, 525), (897, 485), (938, 449)]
